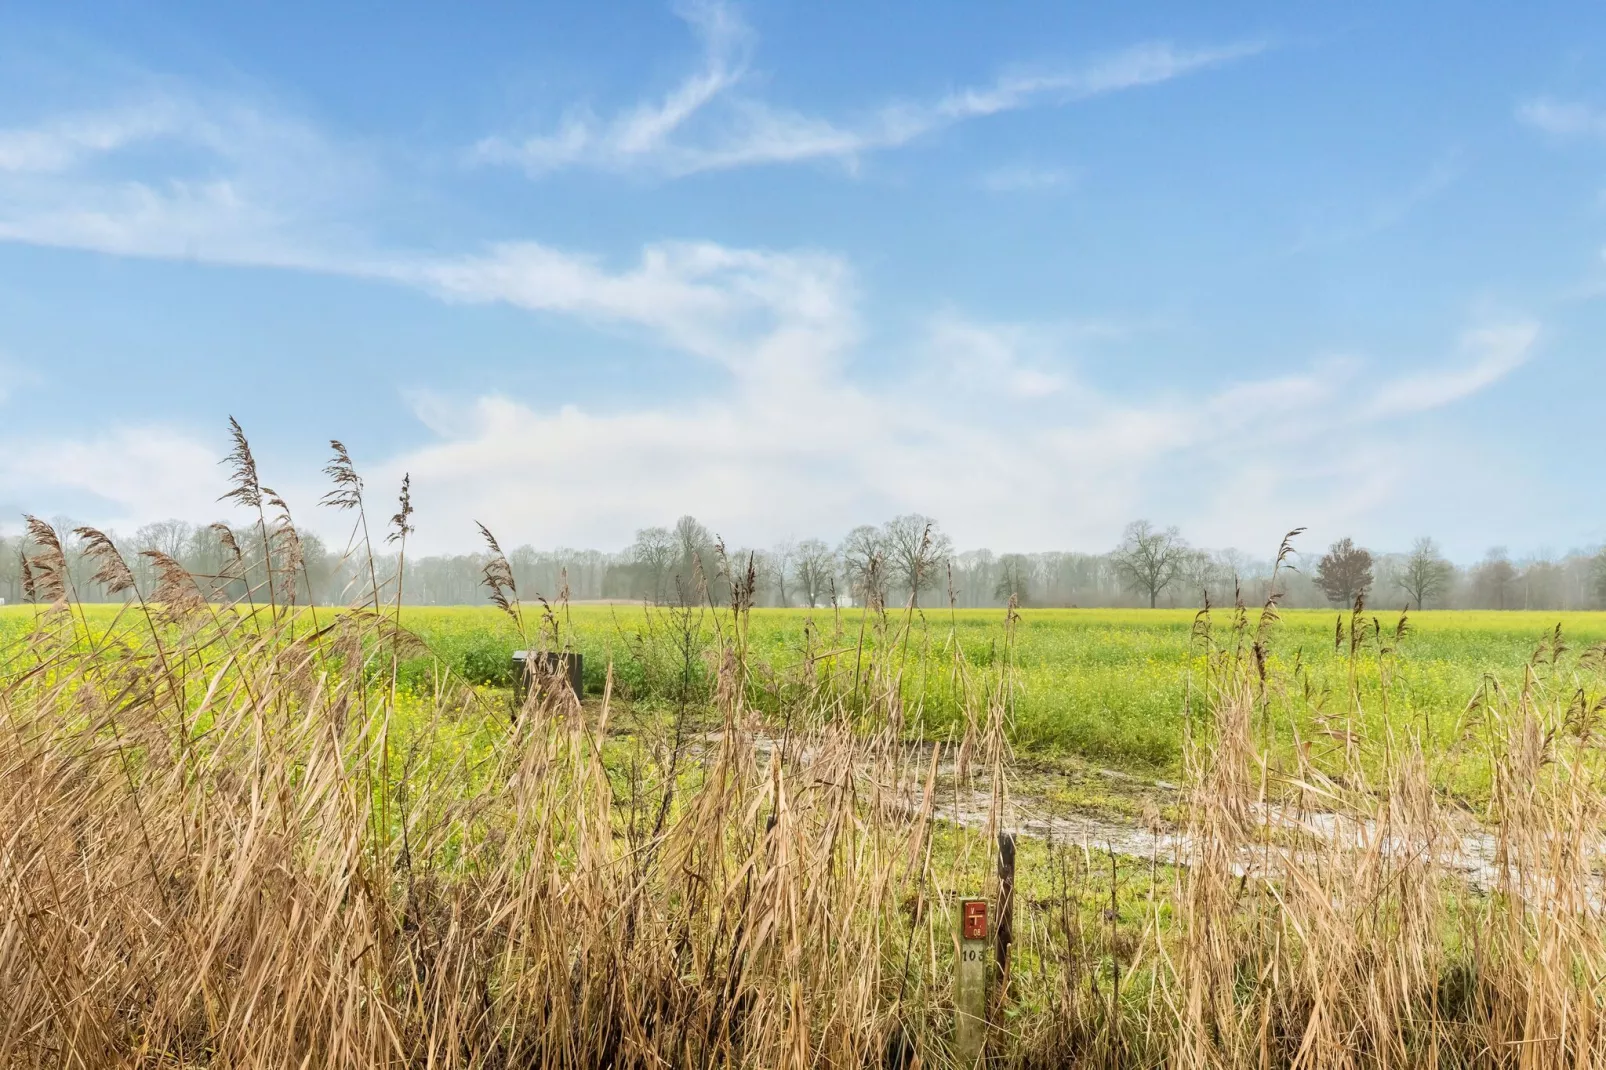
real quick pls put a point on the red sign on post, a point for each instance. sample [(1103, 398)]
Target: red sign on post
[(974, 917)]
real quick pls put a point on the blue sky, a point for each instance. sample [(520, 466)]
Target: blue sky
[(1034, 269)]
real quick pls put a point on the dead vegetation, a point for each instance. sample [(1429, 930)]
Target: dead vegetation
[(229, 839)]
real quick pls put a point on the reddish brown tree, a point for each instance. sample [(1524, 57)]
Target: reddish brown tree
[(1344, 572)]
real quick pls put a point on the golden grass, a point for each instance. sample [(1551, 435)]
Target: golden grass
[(230, 839)]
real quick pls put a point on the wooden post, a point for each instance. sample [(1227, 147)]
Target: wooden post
[(1006, 909), (546, 665), (970, 985)]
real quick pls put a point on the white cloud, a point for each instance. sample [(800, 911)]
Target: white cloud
[(983, 359), (1563, 118), (138, 473), (1017, 451), (1020, 452), (736, 130)]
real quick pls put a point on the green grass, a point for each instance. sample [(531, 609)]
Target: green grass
[(1110, 685), (1107, 684)]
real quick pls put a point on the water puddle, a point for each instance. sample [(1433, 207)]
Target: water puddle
[(1273, 837)]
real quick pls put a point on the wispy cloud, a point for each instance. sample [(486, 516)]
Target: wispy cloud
[(64, 141), (166, 175), (1024, 178), (708, 123), (762, 315), (1489, 353), (1383, 213), (996, 360), (1562, 118), (642, 131), (257, 189)]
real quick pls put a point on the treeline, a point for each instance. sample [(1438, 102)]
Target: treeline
[(906, 557)]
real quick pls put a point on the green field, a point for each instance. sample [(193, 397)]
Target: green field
[(1110, 685), (1107, 684)]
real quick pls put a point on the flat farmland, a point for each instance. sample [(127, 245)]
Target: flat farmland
[(1108, 684), (1113, 685)]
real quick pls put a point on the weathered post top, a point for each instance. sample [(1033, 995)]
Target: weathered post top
[(547, 665)]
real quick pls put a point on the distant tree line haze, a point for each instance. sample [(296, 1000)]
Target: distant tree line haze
[(908, 558)]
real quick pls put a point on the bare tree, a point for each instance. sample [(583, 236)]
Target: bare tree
[(1344, 572), (1198, 574), (654, 550), (974, 571), (524, 561), (1426, 574), (813, 566), (1543, 582), (780, 563), (1494, 577), (1014, 578), (694, 544), (11, 554), (875, 562), (863, 555), (915, 549), (1149, 559), (172, 537)]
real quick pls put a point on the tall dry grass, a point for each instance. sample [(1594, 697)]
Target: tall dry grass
[(228, 838), (1338, 917)]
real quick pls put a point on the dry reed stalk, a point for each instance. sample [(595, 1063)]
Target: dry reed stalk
[(229, 838), (283, 907)]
